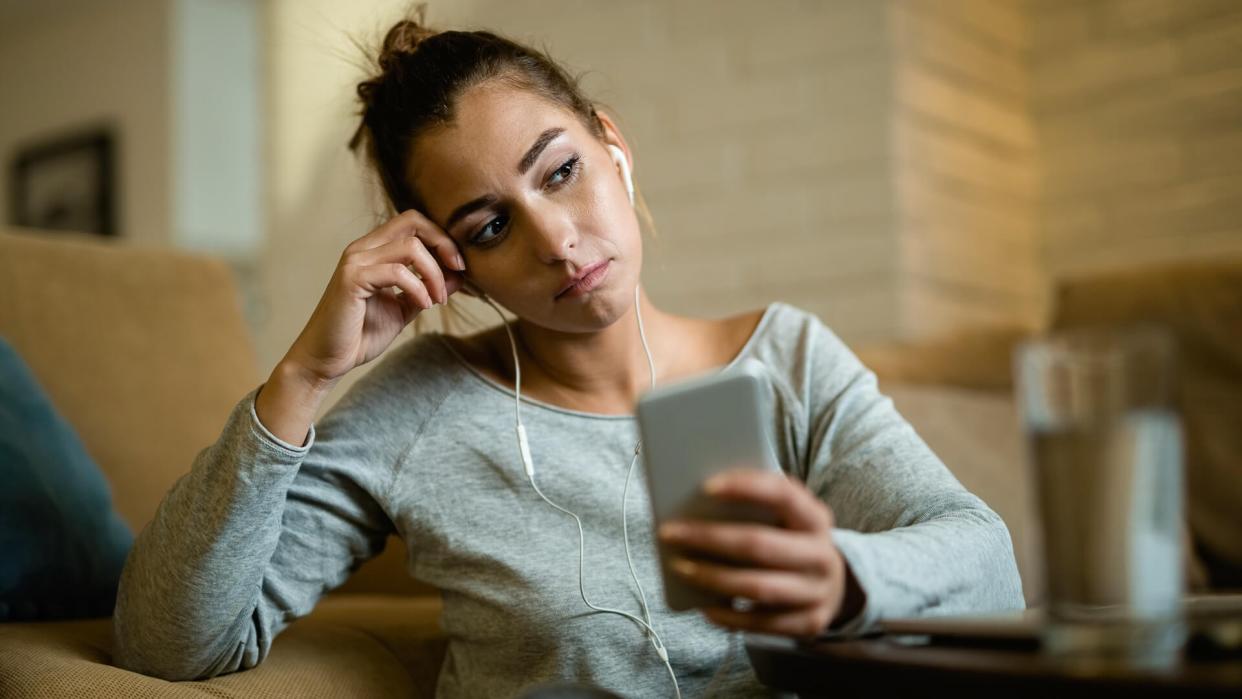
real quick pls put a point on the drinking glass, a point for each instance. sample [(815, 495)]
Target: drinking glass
[(1104, 445)]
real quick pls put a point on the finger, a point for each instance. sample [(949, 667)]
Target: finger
[(803, 622), (756, 545), (410, 307), (412, 222), (400, 225), (442, 245), (374, 278), (453, 281), (797, 506), (767, 587), (430, 271), (409, 250)]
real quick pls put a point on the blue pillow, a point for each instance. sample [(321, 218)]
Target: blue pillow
[(62, 546)]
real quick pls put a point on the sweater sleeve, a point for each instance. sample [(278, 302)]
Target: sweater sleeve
[(246, 542), (917, 541)]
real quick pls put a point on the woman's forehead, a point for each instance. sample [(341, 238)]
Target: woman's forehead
[(493, 128)]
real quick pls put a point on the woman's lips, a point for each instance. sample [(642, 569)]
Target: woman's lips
[(588, 282)]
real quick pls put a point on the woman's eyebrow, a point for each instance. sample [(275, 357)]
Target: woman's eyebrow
[(528, 160), (537, 147), (468, 208)]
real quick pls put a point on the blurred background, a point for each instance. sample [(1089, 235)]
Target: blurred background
[(913, 171), (903, 168), (935, 179)]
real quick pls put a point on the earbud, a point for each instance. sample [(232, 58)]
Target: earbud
[(618, 156)]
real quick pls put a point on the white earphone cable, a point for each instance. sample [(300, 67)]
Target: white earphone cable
[(642, 596), (528, 464)]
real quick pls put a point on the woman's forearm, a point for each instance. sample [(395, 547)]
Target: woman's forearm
[(191, 584)]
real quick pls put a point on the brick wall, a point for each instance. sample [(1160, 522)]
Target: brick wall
[(871, 161), (761, 143), (1138, 106), (902, 168), (965, 166)]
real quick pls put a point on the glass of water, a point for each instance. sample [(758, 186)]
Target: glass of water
[(1105, 451)]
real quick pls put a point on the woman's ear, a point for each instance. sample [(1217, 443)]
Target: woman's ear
[(612, 134)]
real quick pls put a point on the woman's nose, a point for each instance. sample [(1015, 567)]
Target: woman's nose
[(553, 236)]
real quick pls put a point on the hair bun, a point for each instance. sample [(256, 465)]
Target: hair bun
[(403, 39)]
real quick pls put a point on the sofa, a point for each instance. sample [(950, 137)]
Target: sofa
[(144, 352)]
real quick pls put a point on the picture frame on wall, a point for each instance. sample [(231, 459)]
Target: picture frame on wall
[(66, 183)]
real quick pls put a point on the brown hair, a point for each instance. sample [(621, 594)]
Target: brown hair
[(420, 73)]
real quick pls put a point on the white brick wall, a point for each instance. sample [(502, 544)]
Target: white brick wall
[(870, 161), (900, 167), (966, 166), (761, 143), (1139, 112)]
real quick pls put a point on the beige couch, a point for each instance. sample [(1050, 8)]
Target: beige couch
[(145, 351)]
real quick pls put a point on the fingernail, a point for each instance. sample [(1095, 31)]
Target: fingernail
[(683, 566), (713, 485), (461, 263)]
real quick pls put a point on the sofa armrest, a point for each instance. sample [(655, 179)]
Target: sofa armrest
[(354, 645)]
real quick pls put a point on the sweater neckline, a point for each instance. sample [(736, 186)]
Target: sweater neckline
[(760, 327)]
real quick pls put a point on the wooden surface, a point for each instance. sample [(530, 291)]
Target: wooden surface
[(884, 666)]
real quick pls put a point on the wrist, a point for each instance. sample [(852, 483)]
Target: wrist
[(309, 383), (286, 404), (853, 599)]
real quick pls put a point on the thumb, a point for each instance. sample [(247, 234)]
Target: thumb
[(409, 307)]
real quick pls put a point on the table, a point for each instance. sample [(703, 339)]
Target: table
[(917, 666)]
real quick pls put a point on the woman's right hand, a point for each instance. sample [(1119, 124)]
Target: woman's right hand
[(359, 314)]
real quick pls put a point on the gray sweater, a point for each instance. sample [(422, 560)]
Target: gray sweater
[(423, 445)]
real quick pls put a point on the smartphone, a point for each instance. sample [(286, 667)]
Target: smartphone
[(691, 430)]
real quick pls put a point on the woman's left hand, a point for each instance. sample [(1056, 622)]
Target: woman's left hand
[(795, 577)]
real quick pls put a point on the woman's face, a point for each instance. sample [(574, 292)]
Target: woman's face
[(532, 199)]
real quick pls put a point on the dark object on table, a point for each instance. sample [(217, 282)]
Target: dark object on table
[(889, 665), (66, 184)]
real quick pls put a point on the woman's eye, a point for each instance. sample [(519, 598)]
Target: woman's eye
[(569, 170), (480, 238)]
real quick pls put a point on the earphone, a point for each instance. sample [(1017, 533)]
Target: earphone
[(528, 462), (618, 156), (529, 466)]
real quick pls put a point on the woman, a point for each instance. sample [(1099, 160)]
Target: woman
[(508, 180)]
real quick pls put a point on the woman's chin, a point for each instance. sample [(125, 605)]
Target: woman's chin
[(592, 312)]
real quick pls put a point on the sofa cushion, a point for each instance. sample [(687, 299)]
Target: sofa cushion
[(350, 646), (142, 350), (64, 545)]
